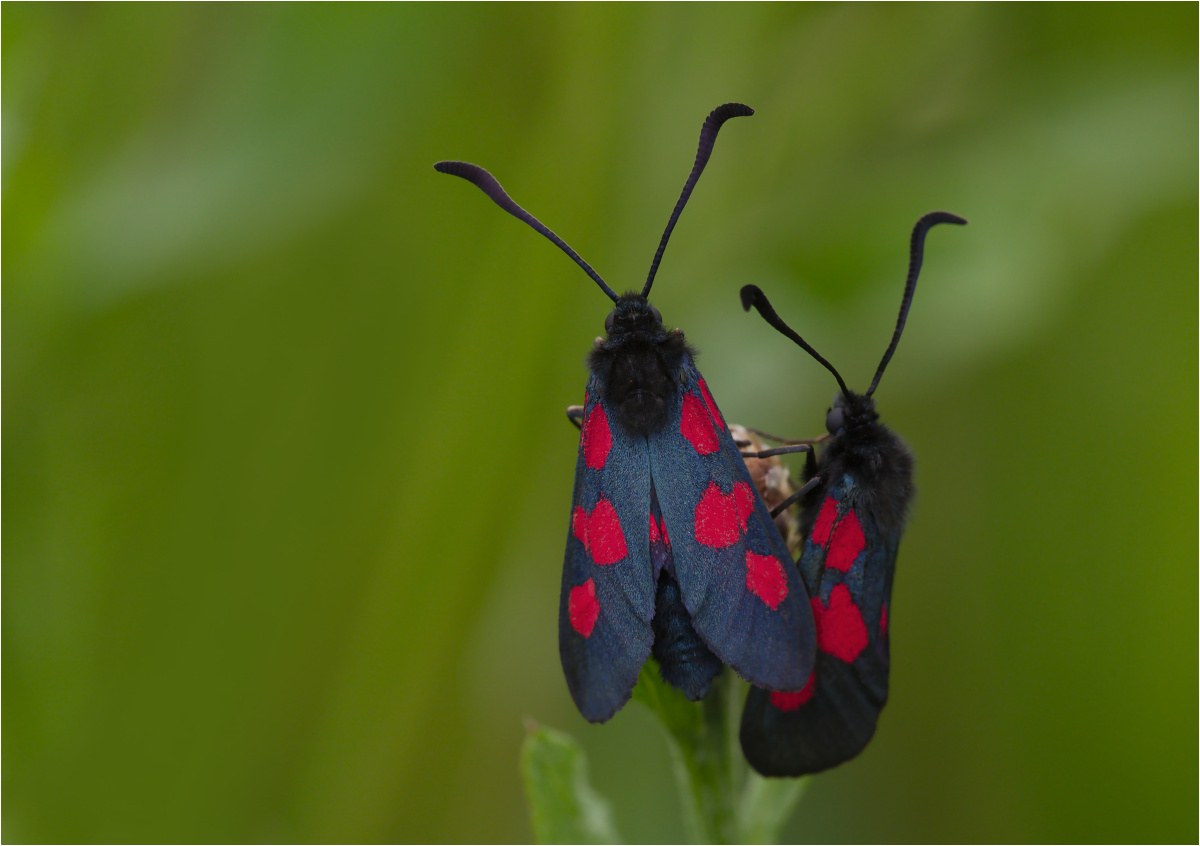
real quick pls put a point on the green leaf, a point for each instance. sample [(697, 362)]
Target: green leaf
[(563, 806)]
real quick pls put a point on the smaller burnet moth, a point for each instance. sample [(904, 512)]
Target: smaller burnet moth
[(854, 503), (670, 550)]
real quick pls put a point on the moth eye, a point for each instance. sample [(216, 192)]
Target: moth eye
[(835, 420), (608, 322), (657, 316)]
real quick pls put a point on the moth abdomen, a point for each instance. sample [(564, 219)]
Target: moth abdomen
[(684, 660)]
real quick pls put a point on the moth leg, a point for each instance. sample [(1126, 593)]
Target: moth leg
[(769, 437), (808, 486), (783, 450), (575, 415), (766, 436), (810, 465)]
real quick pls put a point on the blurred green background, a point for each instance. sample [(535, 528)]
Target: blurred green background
[(286, 469)]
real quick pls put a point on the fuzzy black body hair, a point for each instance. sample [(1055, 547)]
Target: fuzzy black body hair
[(875, 457), (639, 364)]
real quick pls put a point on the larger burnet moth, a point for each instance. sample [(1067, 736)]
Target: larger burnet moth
[(854, 506), (670, 550)]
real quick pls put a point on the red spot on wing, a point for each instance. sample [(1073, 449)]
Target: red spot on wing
[(791, 701), (883, 621), (716, 519), (712, 406), (583, 608), (606, 541), (600, 532), (597, 438), (697, 426), (847, 543), (841, 631), (666, 538), (766, 579), (820, 532), (579, 525), (721, 518)]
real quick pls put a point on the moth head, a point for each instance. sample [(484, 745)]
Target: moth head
[(835, 419), (632, 314), (848, 411)]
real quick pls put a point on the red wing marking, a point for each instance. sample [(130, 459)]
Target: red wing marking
[(697, 426), (605, 538), (600, 532), (841, 631), (579, 525), (583, 608), (883, 621), (712, 406), (721, 518), (666, 539), (597, 438), (847, 543), (765, 579), (786, 701), (820, 532)]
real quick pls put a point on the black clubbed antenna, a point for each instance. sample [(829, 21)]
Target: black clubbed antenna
[(753, 296), (916, 254), (708, 136), (488, 185)]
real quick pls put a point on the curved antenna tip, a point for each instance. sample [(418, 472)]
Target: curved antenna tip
[(935, 217), (916, 257), (728, 110), (750, 294)]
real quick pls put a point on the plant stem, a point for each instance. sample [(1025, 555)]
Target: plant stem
[(722, 800)]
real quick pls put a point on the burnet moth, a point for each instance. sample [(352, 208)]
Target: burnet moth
[(670, 550), (854, 506)]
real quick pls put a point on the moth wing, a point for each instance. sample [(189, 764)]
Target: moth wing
[(848, 564), (607, 598), (736, 577)]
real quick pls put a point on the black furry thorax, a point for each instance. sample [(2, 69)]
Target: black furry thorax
[(638, 365), (850, 411), (878, 461)]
